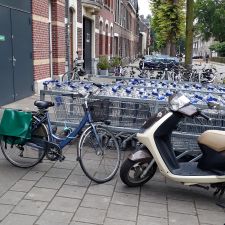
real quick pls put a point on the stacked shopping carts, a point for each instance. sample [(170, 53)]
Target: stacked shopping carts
[(127, 112)]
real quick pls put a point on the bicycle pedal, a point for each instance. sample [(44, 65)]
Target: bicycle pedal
[(62, 158)]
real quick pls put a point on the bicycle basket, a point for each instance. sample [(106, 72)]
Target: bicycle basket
[(99, 109), (15, 126)]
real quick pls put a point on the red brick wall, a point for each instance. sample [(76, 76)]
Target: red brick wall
[(41, 71), (40, 29), (40, 8), (58, 36), (40, 39)]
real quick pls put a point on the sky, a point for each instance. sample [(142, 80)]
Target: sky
[(144, 7)]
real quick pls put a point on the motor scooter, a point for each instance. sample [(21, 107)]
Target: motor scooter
[(157, 151)]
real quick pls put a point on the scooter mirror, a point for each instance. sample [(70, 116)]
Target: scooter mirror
[(177, 101)]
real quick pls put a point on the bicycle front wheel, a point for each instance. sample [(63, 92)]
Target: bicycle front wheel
[(98, 154), (28, 154)]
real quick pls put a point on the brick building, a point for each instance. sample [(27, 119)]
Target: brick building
[(106, 27), (41, 38), (126, 29), (48, 32)]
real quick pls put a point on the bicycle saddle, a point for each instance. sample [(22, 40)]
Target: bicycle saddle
[(43, 104)]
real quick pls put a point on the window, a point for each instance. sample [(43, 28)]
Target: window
[(101, 39), (111, 41), (107, 40), (107, 3), (117, 14)]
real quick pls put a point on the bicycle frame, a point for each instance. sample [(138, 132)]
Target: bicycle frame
[(62, 142)]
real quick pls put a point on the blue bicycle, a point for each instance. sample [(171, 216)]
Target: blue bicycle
[(97, 151)]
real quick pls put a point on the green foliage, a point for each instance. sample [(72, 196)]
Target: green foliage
[(115, 61), (103, 63), (168, 21), (210, 17), (219, 47)]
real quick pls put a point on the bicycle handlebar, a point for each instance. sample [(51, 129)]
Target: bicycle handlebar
[(46, 83)]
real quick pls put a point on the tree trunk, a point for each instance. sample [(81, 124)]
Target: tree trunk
[(167, 49), (173, 49), (189, 33)]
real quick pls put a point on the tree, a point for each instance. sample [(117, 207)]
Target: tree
[(210, 17), (218, 47), (168, 23), (189, 32)]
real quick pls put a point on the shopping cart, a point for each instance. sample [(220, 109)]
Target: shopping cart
[(127, 115)]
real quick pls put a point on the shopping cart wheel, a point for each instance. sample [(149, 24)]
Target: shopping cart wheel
[(98, 154)]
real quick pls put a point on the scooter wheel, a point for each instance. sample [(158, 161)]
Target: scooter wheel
[(130, 173)]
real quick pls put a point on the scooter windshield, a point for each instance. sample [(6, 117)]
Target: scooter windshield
[(177, 101)]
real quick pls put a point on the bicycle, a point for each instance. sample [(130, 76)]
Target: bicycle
[(120, 71), (164, 73), (75, 73), (147, 73), (98, 151)]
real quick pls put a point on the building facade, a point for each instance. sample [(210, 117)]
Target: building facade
[(144, 35), (201, 47), (126, 29), (48, 35), (41, 39)]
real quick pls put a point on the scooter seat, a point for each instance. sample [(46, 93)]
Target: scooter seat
[(214, 139)]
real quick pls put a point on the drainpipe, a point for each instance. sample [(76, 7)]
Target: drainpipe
[(67, 18), (50, 38)]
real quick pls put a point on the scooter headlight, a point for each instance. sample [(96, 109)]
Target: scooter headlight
[(177, 101)]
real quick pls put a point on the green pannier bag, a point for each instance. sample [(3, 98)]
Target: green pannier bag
[(15, 126)]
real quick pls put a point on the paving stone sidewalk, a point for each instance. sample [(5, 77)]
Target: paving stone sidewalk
[(59, 194)]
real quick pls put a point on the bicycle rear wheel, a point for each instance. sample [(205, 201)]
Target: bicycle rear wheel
[(27, 155), (98, 154)]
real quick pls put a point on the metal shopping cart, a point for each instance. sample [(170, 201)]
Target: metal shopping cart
[(128, 114)]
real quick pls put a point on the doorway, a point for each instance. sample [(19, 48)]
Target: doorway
[(16, 64), (87, 44)]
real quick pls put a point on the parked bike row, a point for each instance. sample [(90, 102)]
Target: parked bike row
[(174, 72)]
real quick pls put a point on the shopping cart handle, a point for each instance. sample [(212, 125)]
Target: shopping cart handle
[(46, 83), (98, 85), (72, 95)]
